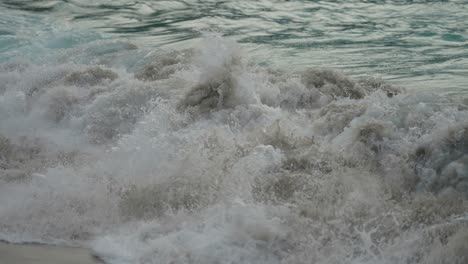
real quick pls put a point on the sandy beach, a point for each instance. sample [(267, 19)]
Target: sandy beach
[(42, 254)]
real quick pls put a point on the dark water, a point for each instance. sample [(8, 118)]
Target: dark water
[(236, 132)]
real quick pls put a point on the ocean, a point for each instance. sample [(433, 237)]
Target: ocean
[(236, 132)]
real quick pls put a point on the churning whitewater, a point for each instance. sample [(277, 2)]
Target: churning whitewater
[(203, 156)]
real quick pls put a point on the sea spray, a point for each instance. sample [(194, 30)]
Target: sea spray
[(209, 158)]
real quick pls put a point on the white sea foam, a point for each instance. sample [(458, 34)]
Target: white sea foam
[(202, 157)]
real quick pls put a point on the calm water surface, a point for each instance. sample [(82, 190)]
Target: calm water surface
[(422, 44)]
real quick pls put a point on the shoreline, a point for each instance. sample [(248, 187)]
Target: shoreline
[(45, 254)]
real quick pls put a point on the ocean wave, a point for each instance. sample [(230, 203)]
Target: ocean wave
[(203, 156)]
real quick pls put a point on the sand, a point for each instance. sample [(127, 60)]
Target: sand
[(41, 254)]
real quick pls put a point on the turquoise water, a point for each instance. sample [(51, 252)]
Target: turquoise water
[(422, 44), (236, 132)]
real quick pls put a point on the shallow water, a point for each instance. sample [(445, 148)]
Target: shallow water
[(216, 132)]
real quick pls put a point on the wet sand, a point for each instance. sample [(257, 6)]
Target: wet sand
[(42, 254)]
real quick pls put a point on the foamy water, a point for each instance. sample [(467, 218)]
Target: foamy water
[(204, 155), (198, 156)]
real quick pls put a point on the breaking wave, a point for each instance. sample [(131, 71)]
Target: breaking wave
[(202, 156)]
